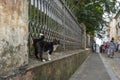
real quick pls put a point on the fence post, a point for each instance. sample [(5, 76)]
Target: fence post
[(83, 35)]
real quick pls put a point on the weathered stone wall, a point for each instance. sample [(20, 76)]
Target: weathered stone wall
[(59, 69), (13, 34)]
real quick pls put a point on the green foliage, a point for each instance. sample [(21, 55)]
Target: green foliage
[(90, 12)]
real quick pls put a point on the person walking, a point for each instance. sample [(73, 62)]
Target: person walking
[(112, 48), (97, 48), (94, 46), (106, 47), (118, 46)]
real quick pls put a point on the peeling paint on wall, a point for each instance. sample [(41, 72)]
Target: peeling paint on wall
[(13, 34)]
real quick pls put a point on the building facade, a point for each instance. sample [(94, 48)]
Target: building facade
[(117, 19), (112, 30)]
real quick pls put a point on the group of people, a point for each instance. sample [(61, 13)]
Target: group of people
[(109, 48)]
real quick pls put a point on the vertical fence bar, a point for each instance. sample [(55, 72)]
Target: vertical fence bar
[(37, 13), (29, 15), (41, 1), (34, 8), (64, 25), (40, 14)]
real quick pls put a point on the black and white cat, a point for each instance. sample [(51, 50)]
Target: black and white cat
[(44, 46)]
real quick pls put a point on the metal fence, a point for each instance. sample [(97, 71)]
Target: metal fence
[(54, 19)]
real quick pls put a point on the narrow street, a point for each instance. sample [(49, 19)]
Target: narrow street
[(99, 67)]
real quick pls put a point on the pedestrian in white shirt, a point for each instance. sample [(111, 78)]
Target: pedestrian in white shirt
[(112, 48), (97, 48)]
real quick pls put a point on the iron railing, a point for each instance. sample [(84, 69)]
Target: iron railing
[(55, 21)]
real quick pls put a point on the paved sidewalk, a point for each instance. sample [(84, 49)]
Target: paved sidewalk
[(113, 64), (92, 69)]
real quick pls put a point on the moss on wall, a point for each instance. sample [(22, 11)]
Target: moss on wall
[(13, 35), (60, 69)]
